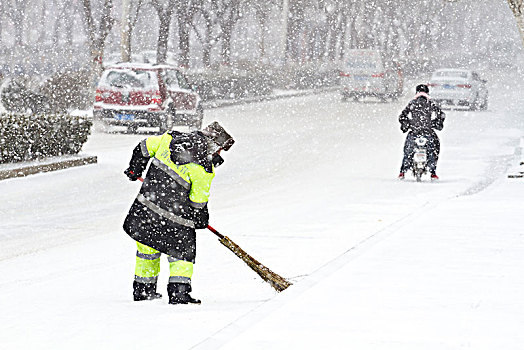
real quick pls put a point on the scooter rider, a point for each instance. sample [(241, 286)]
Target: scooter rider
[(426, 117)]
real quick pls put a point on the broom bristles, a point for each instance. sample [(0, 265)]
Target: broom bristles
[(276, 281)]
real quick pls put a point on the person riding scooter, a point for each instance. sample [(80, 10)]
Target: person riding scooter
[(426, 117)]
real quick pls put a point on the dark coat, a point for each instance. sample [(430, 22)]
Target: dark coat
[(422, 110), (172, 201), (426, 117)]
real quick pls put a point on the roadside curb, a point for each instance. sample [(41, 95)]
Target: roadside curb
[(12, 170)]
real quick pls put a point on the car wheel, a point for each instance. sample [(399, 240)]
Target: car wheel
[(132, 129)]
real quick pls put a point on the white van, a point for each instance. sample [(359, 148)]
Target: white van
[(365, 73)]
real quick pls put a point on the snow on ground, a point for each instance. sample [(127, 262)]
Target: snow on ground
[(310, 190)]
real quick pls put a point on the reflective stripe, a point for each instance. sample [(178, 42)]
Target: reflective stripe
[(143, 148), (146, 279), (164, 213), (181, 268), (197, 205), (148, 256), (158, 163), (179, 279)]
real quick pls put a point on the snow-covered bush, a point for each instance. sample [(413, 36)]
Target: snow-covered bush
[(31, 137), (69, 90), (17, 97), (59, 93)]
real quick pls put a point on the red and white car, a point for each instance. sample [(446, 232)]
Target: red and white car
[(458, 87), (140, 94)]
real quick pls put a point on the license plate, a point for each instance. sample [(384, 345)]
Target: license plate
[(449, 87), (124, 117), (360, 77), (420, 157)]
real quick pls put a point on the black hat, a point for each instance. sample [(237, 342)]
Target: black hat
[(422, 88), (219, 135), (190, 148)]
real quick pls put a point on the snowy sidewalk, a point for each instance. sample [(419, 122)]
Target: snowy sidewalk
[(452, 277)]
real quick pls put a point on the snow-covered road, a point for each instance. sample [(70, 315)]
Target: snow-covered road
[(310, 190)]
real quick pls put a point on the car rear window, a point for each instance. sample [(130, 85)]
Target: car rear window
[(451, 74), (361, 64), (130, 79), (174, 79)]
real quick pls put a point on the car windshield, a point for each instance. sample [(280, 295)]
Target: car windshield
[(130, 79), (450, 74)]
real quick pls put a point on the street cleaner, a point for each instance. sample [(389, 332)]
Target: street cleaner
[(171, 205)]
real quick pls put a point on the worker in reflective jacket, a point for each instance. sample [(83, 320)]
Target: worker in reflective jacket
[(171, 204)]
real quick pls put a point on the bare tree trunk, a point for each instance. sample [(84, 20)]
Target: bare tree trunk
[(261, 10), (16, 13), (333, 20), (295, 28), (343, 34), (228, 14), (517, 7), (205, 39), (164, 16), (129, 19), (42, 22), (185, 13), (97, 37), (163, 35), (207, 45)]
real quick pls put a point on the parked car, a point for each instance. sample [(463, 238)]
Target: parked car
[(459, 87), (366, 73), (140, 94)]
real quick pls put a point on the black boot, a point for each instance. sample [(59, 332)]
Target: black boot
[(179, 294), (145, 291)]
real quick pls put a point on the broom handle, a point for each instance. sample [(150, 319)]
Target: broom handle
[(208, 226), (215, 232)]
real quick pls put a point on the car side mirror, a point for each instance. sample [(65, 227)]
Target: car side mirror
[(484, 81)]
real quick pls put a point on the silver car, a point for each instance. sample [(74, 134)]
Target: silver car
[(459, 87)]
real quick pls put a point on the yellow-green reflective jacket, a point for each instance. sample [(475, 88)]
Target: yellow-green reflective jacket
[(172, 190)]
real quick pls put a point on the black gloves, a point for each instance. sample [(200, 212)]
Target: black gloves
[(132, 175), (217, 160), (200, 217), (404, 126)]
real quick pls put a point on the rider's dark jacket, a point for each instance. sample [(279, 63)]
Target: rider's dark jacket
[(421, 122)]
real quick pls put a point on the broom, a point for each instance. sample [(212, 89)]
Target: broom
[(275, 280)]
